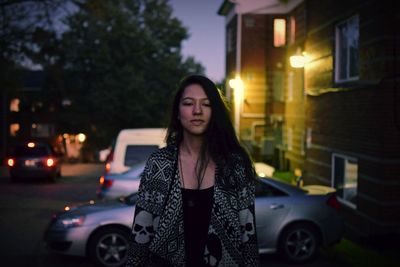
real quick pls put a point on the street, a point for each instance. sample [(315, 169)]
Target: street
[(26, 209)]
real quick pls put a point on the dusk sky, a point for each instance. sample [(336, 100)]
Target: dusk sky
[(206, 28)]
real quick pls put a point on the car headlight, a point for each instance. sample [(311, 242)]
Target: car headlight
[(68, 222)]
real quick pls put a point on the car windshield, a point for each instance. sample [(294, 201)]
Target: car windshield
[(138, 153), (25, 151)]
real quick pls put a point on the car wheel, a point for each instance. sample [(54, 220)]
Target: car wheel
[(109, 247), (299, 243)]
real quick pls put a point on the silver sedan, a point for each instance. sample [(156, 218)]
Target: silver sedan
[(289, 220), (120, 184)]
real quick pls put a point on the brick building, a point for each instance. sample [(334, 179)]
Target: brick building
[(27, 115), (337, 117)]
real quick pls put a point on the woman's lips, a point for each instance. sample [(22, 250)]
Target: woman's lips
[(197, 122)]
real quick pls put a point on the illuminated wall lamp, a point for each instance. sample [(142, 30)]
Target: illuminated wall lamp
[(236, 83), (298, 61)]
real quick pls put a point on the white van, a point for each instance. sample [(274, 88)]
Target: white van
[(134, 146)]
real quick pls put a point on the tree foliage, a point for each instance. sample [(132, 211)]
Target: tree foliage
[(19, 20), (119, 60)]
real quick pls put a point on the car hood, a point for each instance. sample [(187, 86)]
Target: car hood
[(95, 206)]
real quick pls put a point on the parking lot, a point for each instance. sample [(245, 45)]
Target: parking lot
[(26, 209)]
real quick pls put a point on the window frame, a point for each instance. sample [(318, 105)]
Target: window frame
[(333, 180), (338, 42)]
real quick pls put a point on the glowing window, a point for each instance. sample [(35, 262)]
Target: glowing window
[(14, 128), (279, 32), (14, 105)]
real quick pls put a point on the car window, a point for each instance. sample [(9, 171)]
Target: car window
[(137, 153), (266, 190), (37, 151)]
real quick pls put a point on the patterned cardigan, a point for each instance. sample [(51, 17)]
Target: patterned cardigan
[(157, 231)]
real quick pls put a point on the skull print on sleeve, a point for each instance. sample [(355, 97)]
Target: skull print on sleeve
[(147, 214), (248, 223)]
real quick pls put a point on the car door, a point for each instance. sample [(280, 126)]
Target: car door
[(272, 207)]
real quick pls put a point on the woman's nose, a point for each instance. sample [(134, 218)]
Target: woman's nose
[(197, 108)]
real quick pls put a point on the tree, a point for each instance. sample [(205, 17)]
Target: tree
[(122, 61), (19, 20)]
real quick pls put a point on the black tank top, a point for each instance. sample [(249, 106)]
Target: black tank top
[(197, 206)]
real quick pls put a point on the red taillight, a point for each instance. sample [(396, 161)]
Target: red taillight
[(105, 183), (50, 162), (108, 167), (333, 202), (10, 162), (109, 159)]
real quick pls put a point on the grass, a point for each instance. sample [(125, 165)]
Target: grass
[(286, 176), (350, 254)]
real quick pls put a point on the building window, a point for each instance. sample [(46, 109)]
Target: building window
[(290, 139), (292, 30), (278, 83), (231, 39), (37, 106), (14, 128), (279, 32), (344, 178), (309, 138), (42, 130), (347, 62), (14, 105), (249, 22), (303, 144), (290, 86)]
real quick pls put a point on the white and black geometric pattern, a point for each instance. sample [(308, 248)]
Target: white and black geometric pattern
[(231, 239)]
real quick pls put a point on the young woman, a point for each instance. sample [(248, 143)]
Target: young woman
[(196, 198)]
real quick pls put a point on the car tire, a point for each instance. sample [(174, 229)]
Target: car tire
[(109, 247), (299, 243)]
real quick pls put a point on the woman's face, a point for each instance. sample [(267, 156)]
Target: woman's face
[(194, 110)]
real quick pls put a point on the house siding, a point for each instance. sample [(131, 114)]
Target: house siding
[(357, 119)]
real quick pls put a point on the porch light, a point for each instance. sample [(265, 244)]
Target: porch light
[(298, 60), (236, 83)]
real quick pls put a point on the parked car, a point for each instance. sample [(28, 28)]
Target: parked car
[(288, 220), (34, 160), (120, 184), (133, 146)]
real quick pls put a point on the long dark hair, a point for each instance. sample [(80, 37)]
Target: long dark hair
[(220, 141)]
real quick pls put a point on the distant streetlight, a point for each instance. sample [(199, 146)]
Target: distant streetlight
[(81, 137)]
